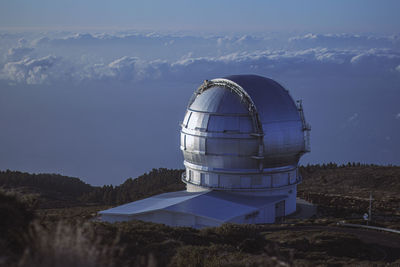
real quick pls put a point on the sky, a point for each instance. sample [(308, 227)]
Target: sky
[(206, 15), (97, 89)]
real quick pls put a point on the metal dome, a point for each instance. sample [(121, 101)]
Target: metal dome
[(242, 132), (242, 137)]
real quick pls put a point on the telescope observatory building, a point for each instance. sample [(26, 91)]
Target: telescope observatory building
[(241, 138)]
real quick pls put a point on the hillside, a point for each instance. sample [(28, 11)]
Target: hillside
[(343, 191), (157, 181), (48, 235), (42, 241), (339, 191), (57, 191), (354, 181), (383, 181), (51, 190)]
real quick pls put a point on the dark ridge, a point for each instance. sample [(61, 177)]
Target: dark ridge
[(157, 181)]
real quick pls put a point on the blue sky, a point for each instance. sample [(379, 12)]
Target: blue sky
[(207, 15)]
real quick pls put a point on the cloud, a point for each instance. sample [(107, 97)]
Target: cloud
[(353, 117), (352, 122), (343, 40), (126, 69), (131, 57), (248, 39), (75, 39), (302, 61), (123, 67), (377, 56), (129, 68), (269, 61), (30, 71), (17, 53), (82, 39), (376, 61), (308, 36), (398, 116)]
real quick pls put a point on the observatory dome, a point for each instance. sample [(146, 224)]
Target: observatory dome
[(242, 137), (242, 132)]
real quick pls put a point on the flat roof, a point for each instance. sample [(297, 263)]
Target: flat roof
[(216, 205)]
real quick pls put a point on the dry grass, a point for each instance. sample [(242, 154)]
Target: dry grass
[(67, 245)]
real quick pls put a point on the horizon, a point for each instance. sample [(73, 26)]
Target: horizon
[(327, 164)]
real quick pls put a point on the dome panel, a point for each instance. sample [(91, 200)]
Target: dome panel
[(223, 124), (272, 101), (219, 100), (197, 121)]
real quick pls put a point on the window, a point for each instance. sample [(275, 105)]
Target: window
[(183, 141), (186, 119)]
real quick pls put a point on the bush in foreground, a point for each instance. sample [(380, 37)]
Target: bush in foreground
[(69, 245)]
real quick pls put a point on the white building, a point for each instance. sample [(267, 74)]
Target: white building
[(242, 137)]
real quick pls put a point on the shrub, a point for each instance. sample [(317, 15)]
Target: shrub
[(14, 225), (68, 245)]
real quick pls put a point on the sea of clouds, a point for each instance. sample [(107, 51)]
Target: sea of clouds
[(107, 106), (51, 58)]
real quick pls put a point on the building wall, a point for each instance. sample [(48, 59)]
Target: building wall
[(267, 214), (263, 215), (289, 192)]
